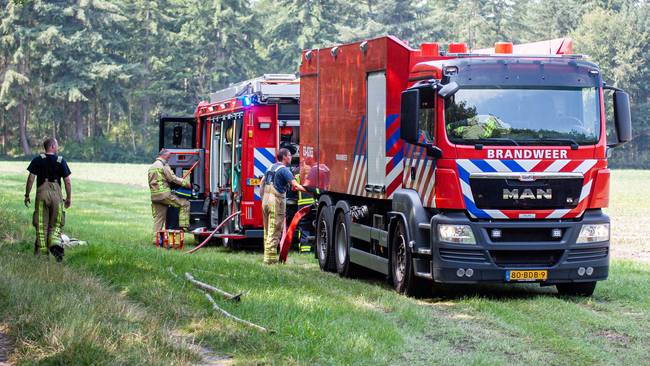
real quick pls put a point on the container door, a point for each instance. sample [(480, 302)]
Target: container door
[(178, 135), (376, 114)]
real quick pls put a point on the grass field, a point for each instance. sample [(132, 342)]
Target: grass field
[(114, 301)]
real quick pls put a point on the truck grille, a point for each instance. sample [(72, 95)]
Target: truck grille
[(526, 258), (587, 254), (524, 235), (463, 255), (505, 193)]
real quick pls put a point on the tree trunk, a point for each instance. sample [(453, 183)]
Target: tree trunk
[(95, 128), (79, 123), (131, 127), (4, 132), (22, 126), (108, 122), (146, 106)]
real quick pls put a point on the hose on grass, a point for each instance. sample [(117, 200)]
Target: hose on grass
[(213, 232), (205, 287)]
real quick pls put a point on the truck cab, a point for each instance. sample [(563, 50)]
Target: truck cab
[(520, 150)]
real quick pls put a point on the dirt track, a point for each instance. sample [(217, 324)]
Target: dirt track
[(5, 348)]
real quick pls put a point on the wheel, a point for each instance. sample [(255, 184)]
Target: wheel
[(576, 289), (402, 272), (323, 240), (342, 246)]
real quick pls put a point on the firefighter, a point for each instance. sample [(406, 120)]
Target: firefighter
[(305, 225), (48, 169), (478, 127), (275, 183), (161, 177)]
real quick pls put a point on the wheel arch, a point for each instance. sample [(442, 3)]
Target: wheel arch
[(407, 202), (341, 205), (394, 217)]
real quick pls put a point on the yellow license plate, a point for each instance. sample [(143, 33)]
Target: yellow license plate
[(254, 181), (527, 275)]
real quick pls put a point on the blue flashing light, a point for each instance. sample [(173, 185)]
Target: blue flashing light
[(246, 101)]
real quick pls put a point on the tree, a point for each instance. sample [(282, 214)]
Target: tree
[(302, 24)]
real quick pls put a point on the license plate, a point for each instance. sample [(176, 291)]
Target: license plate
[(527, 275), (254, 181)]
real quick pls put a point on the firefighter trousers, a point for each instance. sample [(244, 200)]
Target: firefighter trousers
[(159, 206), (273, 214), (48, 216)]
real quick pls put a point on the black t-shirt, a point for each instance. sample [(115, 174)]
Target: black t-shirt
[(48, 168)]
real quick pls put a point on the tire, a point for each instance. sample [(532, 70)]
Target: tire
[(401, 266), (324, 240), (576, 289), (342, 246)]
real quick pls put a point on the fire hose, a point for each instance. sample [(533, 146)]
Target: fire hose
[(213, 232), (288, 238)]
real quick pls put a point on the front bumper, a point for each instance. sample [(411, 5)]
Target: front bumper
[(525, 247)]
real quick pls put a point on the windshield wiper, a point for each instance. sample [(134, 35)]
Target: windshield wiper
[(565, 141), (478, 143)]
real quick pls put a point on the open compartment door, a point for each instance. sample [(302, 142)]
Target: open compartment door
[(178, 135)]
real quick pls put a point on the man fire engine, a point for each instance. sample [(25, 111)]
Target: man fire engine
[(459, 167)]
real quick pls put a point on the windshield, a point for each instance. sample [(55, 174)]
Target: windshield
[(517, 116)]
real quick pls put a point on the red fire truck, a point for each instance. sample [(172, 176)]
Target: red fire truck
[(231, 141), (459, 167)]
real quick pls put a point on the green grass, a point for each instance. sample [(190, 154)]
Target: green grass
[(114, 302)]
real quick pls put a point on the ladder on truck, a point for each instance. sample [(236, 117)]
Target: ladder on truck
[(267, 88)]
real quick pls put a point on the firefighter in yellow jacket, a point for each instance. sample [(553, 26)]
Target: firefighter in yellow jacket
[(305, 224), (160, 178), (275, 183)]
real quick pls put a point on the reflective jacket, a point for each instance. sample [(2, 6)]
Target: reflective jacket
[(160, 177), (304, 198)]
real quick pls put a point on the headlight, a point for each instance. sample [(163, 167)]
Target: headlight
[(592, 233), (460, 234)]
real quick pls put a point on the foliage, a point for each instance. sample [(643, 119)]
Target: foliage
[(100, 72)]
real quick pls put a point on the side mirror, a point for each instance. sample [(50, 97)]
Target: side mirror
[(448, 90), (409, 123), (177, 135), (622, 118)]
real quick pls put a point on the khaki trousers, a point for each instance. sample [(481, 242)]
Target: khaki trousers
[(273, 214), (48, 216), (159, 205)]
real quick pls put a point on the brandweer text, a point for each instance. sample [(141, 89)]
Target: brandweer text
[(527, 154)]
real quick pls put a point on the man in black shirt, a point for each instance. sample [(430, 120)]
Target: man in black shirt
[(48, 169)]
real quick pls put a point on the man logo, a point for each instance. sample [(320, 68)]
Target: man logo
[(527, 194)]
